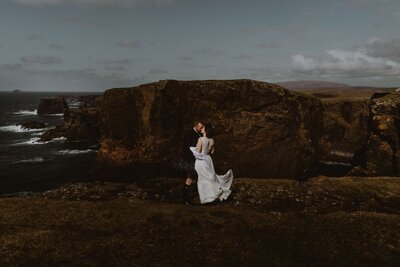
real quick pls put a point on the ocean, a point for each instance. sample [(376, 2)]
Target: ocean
[(28, 166)]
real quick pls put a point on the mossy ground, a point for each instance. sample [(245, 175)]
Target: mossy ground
[(127, 231)]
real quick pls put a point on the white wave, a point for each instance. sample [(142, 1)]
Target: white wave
[(31, 160), (55, 114), (74, 105), (37, 133), (342, 154), (26, 112), (31, 141), (62, 138), (334, 163), (18, 129), (73, 152)]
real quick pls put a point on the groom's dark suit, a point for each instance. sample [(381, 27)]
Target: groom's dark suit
[(190, 138)]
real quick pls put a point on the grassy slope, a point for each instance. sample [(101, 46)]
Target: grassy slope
[(251, 230)]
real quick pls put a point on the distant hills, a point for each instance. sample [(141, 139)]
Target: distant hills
[(313, 85), (332, 90)]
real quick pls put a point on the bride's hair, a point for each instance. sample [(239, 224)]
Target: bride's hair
[(210, 129)]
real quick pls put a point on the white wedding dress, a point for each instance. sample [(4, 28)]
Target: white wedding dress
[(209, 184)]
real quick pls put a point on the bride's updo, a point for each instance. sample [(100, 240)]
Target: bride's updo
[(209, 128)]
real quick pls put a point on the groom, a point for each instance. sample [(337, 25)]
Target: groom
[(190, 139)]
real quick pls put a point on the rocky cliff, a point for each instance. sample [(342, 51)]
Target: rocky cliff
[(52, 105), (263, 130), (380, 155), (345, 130), (79, 125)]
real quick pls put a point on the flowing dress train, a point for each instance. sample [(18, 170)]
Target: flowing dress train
[(209, 184)]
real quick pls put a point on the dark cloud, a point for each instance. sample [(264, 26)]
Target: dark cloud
[(129, 44), (41, 60), (386, 49), (208, 52), (14, 66), (34, 37), (157, 71), (271, 44), (115, 67), (57, 47), (62, 80), (186, 58), (265, 73), (122, 61), (367, 1), (242, 57), (377, 26), (122, 3)]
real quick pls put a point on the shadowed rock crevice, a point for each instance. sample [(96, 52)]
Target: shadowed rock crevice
[(381, 150)]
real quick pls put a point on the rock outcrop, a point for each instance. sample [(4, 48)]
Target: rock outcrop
[(79, 125), (345, 130), (263, 130), (52, 105), (32, 125), (383, 146), (82, 125)]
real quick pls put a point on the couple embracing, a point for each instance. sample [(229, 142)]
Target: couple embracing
[(198, 148)]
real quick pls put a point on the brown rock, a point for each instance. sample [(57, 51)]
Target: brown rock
[(82, 125), (52, 105), (58, 131), (32, 125), (345, 130), (264, 130), (381, 151)]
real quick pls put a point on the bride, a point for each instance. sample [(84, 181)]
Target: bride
[(210, 185)]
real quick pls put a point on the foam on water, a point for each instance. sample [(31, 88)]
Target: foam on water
[(23, 112), (62, 138), (26, 112), (31, 141), (18, 129), (36, 141), (334, 163), (37, 133), (31, 160), (73, 151), (55, 114)]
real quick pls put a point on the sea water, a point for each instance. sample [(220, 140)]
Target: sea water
[(28, 165)]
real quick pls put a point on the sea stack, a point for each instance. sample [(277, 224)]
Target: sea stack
[(52, 105)]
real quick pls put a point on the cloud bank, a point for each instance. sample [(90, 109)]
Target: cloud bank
[(377, 59), (124, 3)]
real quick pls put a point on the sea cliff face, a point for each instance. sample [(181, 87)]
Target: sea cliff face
[(263, 130)]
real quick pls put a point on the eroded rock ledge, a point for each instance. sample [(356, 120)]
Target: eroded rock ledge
[(264, 130)]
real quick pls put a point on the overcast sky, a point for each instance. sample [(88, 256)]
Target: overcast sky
[(93, 45)]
